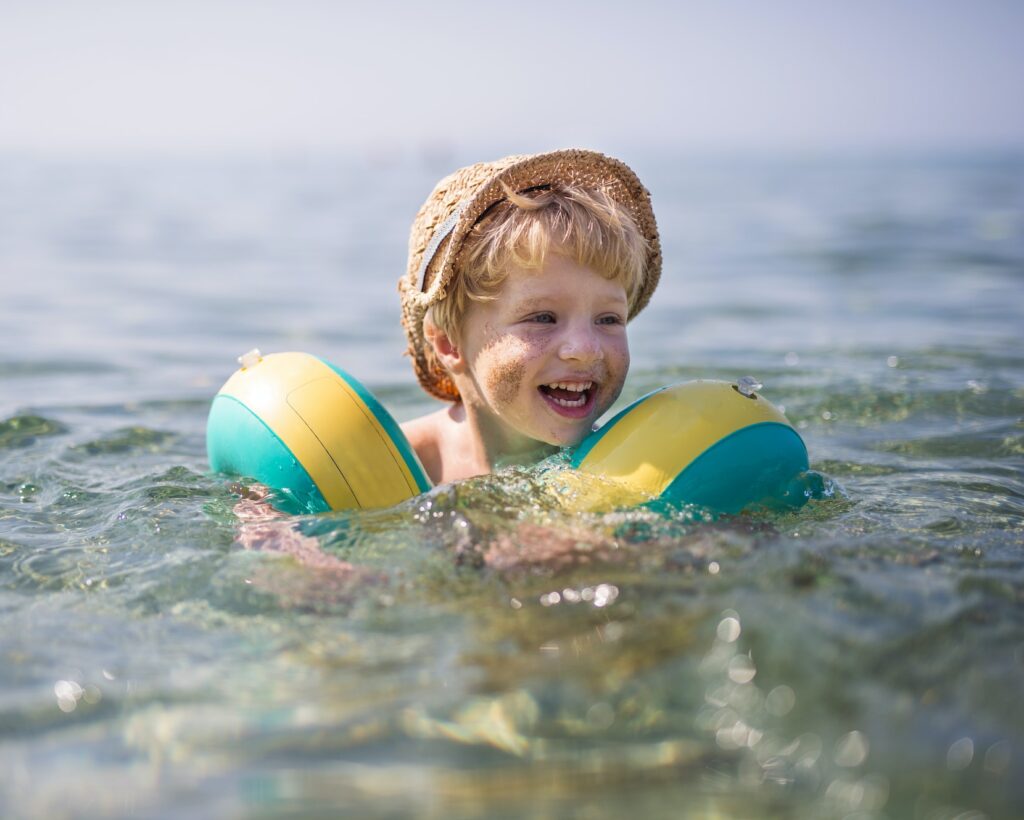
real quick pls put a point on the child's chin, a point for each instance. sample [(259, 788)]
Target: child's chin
[(570, 439)]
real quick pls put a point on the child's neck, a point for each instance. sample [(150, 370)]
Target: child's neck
[(456, 443), (490, 444)]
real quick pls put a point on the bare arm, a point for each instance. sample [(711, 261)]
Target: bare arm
[(262, 527)]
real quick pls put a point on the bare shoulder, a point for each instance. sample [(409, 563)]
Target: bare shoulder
[(426, 434), (446, 445)]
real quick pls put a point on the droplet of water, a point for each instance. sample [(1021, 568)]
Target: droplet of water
[(960, 754), (728, 629), (742, 669), (780, 701), (997, 758), (851, 749), (68, 693)]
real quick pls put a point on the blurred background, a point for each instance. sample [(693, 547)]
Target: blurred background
[(170, 171), (223, 157), (394, 78)]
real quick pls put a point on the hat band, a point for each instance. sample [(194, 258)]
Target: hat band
[(438, 237)]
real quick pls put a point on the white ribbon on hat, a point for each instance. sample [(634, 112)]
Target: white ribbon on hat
[(436, 239)]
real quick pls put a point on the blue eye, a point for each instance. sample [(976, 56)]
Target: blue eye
[(543, 318), (610, 320)]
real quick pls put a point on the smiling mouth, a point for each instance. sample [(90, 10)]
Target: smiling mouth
[(572, 399)]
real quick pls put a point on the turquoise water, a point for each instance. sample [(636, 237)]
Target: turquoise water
[(480, 651)]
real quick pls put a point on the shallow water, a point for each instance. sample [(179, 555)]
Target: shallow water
[(493, 654)]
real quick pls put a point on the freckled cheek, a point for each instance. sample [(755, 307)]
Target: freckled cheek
[(504, 381), (618, 360), (504, 364)]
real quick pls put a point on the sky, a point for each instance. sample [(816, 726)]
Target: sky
[(87, 76)]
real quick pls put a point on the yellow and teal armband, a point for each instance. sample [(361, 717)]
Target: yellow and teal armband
[(311, 431), (715, 444)]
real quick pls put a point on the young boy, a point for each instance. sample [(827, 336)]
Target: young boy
[(522, 276)]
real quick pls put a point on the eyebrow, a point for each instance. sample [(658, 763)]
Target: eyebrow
[(534, 303)]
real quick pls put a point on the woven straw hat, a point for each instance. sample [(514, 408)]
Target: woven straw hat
[(461, 199)]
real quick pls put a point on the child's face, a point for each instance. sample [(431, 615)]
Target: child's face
[(549, 355)]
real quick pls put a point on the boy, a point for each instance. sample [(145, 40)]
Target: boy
[(522, 275)]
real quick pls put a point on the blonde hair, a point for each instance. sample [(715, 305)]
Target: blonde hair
[(587, 226)]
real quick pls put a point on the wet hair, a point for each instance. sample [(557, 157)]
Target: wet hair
[(586, 226)]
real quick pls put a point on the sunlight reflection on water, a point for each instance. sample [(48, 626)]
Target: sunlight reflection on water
[(499, 650)]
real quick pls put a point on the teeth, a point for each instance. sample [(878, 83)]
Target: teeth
[(567, 403), (575, 387)]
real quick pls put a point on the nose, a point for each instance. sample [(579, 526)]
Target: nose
[(581, 344)]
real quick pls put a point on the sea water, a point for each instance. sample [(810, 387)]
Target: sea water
[(482, 650)]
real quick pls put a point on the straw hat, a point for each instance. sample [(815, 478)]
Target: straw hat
[(461, 199)]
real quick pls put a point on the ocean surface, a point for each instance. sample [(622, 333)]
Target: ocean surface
[(492, 654)]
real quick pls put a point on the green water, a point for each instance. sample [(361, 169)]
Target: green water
[(481, 651)]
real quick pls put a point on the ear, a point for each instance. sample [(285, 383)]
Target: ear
[(445, 348)]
